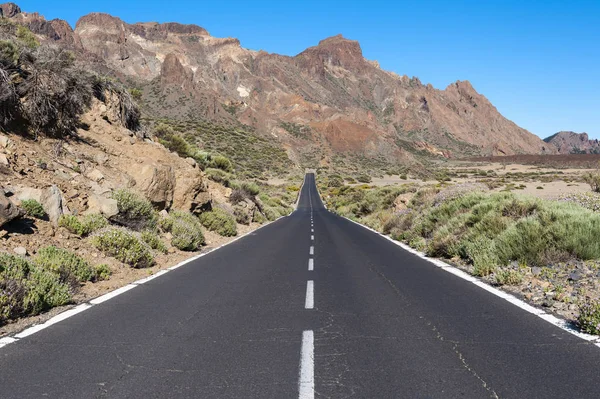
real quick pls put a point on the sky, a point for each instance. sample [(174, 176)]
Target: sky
[(537, 61)]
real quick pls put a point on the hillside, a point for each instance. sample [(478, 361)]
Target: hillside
[(567, 142), (326, 102)]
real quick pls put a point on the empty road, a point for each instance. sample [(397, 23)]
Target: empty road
[(312, 305)]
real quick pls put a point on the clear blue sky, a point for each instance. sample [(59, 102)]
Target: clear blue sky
[(538, 61)]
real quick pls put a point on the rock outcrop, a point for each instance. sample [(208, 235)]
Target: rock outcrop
[(8, 210), (567, 142)]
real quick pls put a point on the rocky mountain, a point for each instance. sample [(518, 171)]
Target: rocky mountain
[(328, 99), (567, 142)]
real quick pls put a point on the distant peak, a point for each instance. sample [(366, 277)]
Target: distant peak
[(9, 10)]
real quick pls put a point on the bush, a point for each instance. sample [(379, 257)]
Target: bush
[(186, 230), (153, 240), (67, 264), (135, 211), (589, 317), (124, 246), (219, 176), (33, 208), (83, 226), (508, 277), (220, 222), (593, 179), (363, 178), (102, 272), (221, 162), (26, 289), (250, 188)]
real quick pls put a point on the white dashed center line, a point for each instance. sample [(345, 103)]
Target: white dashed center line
[(310, 295), (312, 250), (311, 264), (306, 381)]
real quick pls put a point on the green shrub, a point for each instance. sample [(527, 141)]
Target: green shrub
[(45, 290), (83, 226), (259, 218), (102, 272), (125, 246), (135, 211), (63, 262), (185, 229), (589, 317), (593, 179), (153, 240), (363, 178), (508, 277), (221, 162), (250, 188), (33, 208), (27, 37), (220, 222), (219, 176)]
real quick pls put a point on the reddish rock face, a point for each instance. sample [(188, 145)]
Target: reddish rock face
[(9, 10), (573, 143), (346, 102)]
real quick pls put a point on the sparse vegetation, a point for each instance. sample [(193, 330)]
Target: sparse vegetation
[(153, 240), (124, 246), (135, 211), (220, 222), (84, 225), (186, 230), (589, 317), (67, 264), (33, 208)]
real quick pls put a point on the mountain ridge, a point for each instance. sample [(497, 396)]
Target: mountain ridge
[(347, 103)]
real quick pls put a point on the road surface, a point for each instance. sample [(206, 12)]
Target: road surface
[(312, 305)]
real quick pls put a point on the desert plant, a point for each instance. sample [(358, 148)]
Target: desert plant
[(83, 226), (125, 246), (221, 162), (153, 240), (220, 222), (65, 263), (589, 317), (102, 272), (135, 211), (219, 176), (593, 179), (185, 229), (508, 277), (33, 208)]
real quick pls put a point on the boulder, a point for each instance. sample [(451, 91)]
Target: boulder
[(53, 203), (4, 141), (244, 211), (401, 201), (95, 175), (157, 182), (4, 160), (191, 191), (28, 193), (105, 206), (8, 210), (20, 251)]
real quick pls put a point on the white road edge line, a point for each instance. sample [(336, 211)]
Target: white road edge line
[(103, 298), (311, 264), (310, 295), (306, 380), (312, 250), (560, 323)]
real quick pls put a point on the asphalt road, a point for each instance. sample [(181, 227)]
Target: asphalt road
[(251, 320)]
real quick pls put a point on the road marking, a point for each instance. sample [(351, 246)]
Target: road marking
[(306, 380), (312, 250), (310, 295), (311, 264), (312, 230), (312, 238)]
